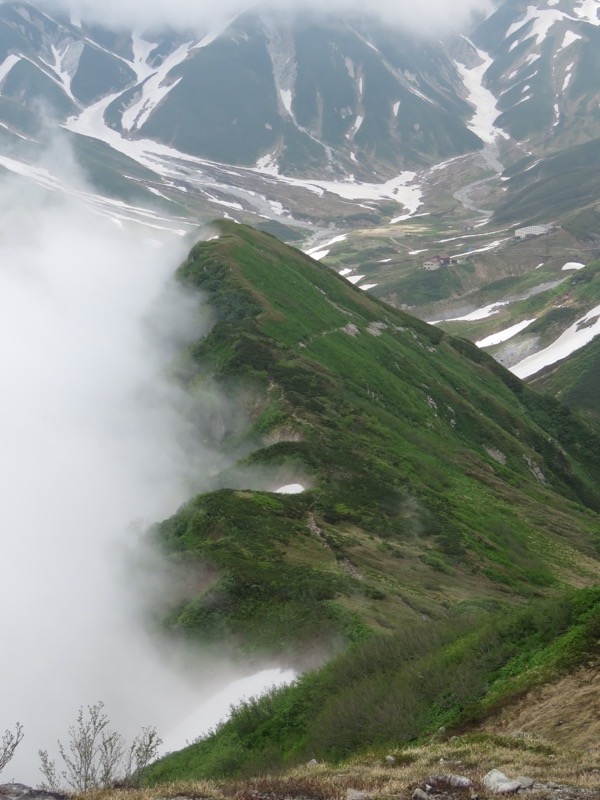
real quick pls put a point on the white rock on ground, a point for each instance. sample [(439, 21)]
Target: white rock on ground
[(498, 783)]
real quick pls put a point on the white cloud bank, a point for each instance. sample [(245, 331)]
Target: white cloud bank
[(425, 16), (93, 440)]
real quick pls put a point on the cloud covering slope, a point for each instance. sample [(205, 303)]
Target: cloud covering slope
[(424, 16), (95, 443)]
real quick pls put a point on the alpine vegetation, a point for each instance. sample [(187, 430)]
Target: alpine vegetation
[(96, 757), (9, 743)]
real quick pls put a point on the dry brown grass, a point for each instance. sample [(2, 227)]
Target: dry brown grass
[(472, 756), (566, 713)]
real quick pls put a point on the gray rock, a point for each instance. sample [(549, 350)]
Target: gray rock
[(419, 794), (18, 791), (458, 781), (390, 760), (498, 783), (356, 794), (313, 763), (526, 783), (449, 780)]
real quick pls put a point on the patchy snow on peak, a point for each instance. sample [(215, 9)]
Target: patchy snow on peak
[(8, 63), (141, 52), (543, 20), (286, 99), (587, 10), (570, 38), (486, 113), (155, 87)]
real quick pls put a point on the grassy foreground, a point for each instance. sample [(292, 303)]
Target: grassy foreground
[(471, 756)]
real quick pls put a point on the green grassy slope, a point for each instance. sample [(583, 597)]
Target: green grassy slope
[(394, 689), (435, 479), (576, 381)]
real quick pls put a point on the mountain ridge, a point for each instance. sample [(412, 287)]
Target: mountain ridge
[(409, 445)]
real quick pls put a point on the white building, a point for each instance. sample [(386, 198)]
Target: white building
[(532, 230)]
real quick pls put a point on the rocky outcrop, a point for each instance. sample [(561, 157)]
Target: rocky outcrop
[(496, 783), (18, 791)]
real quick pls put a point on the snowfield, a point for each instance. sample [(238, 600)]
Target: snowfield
[(486, 112), (579, 334), (505, 335)]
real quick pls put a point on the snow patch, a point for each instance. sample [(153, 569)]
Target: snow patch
[(286, 99), (486, 113), (570, 38), (268, 164), (579, 334), (543, 20), (155, 87), (588, 11), (403, 189), (355, 127), (505, 335), (8, 64), (313, 253), (318, 255), (291, 488), (572, 265), (479, 313), (142, 49), (491, 246)]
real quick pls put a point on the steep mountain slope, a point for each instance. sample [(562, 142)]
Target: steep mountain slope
[(432, 478), (543, 72), (313, 95), (545, 189), (425, 683), (575, 381), (308, 95)]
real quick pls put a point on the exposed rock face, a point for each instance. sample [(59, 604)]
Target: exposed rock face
[(496, 783), (18, 791)]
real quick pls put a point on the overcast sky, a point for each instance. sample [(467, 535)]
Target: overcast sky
[(423, 15)]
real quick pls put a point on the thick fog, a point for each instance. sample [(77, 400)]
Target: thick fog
[(425, 16), (96, 442)]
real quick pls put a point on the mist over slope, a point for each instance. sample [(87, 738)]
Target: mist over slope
[(97, 442)]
